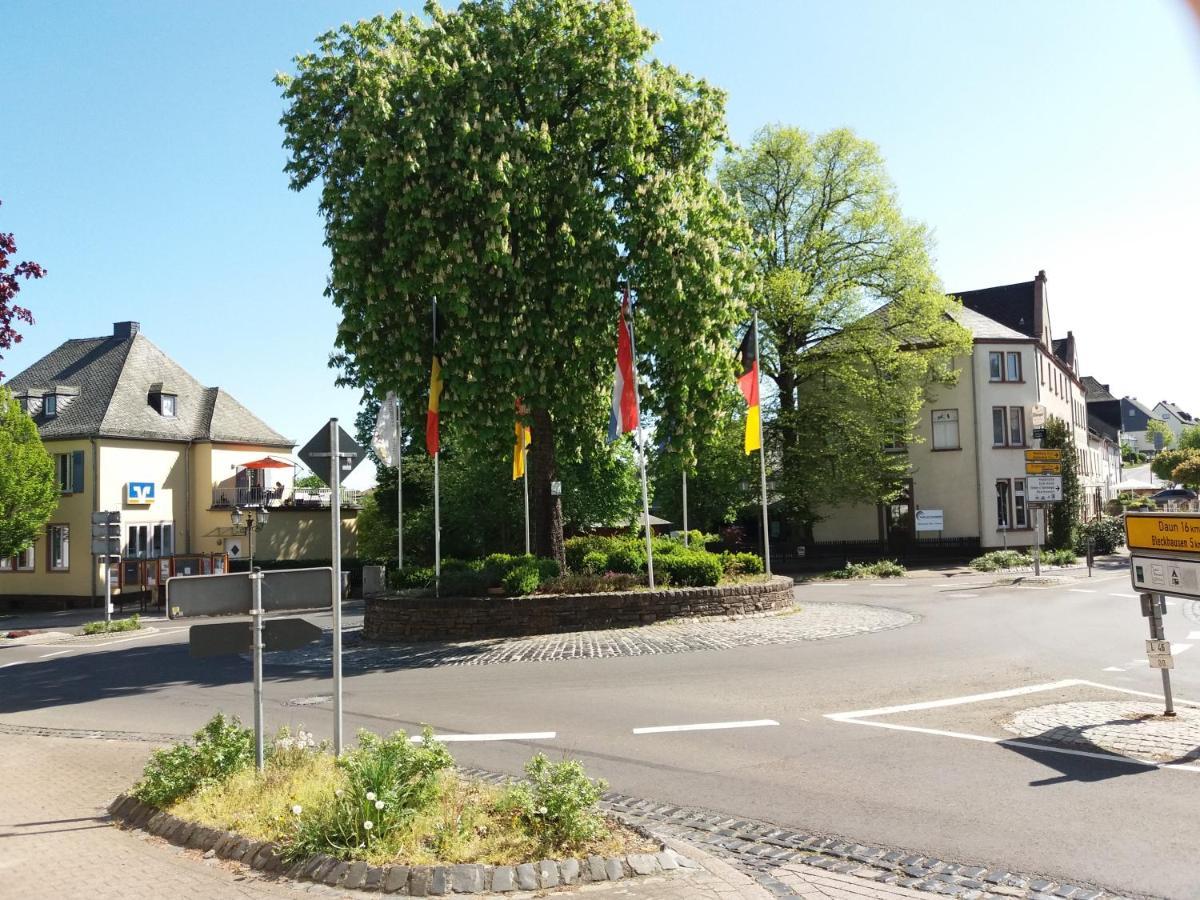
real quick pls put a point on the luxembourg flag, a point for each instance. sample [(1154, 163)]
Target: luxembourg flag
[(624, 416)]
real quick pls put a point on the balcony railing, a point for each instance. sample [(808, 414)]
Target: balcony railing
[(287, 498)]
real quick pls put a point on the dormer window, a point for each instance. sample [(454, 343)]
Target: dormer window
[(167, 405), (50, 406), (163, 400)]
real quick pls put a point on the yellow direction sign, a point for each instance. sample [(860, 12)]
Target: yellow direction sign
[(1177, 532), (1044, 456), (1043, 468)]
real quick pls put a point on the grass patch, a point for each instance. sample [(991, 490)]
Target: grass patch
[(133, 623)]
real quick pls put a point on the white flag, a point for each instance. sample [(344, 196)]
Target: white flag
[(383, 440)]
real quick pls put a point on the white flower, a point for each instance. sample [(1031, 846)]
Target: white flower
[(370, 795), (297, 809), (368, 824), (379, 804), (338, 792), (541, 810)]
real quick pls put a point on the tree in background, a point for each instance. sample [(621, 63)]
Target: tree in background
[(1063, 517), (10, 286), (1189, 438), (855, 327), (516, 160), (1130, 455), (1165, 463), (28, 488), (1154, 429), (1187, 473)]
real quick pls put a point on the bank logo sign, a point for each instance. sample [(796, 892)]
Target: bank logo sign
[(139, 493)]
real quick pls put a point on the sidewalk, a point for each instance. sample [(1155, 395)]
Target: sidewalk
[(56, 841)]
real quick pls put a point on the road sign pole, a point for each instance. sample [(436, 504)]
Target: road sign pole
[(335, 509), (1037, 541), (256, 627), (1158, 633), (108, 589)]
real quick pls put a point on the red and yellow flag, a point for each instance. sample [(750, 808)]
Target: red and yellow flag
[(748, 384), (524, 437), (432, 435)]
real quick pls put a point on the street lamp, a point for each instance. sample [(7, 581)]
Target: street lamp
[(250, 521)]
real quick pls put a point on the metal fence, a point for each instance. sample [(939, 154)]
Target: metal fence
[(285, 498)]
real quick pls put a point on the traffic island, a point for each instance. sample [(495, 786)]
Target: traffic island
[(1135, 729), (399, 617)]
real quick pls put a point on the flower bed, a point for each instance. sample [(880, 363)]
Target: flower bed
[(392, 814)]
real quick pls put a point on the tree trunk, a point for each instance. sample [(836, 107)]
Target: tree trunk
[(546, 509)]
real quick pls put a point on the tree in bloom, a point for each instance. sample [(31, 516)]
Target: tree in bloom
[(10, 286)]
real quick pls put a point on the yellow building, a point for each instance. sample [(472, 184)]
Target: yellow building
[(131, 431)]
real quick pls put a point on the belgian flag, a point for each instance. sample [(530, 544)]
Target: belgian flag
[(748, 384), (432, 431)]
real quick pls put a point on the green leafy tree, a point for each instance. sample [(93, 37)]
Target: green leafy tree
[(1130, 455), (855, 327), (1189, 438), (309, 482), (1063, 517), (1155, 429), (516, 160), (1187, 473), (28, 488), (1165, 463)]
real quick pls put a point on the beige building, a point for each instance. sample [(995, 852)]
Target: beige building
[(131, 431), (967, 467)]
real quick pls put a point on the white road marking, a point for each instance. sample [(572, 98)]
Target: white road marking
[(56, 653), (954, 701), (706, 726), (136, 637), (1113, 669), (962, 596), (19, 662), (1081, 591), (1125, 596), (1176, 649), (1193, 636), (514, 736)]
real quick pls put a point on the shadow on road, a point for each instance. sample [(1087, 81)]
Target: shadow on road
[(1063, 748)]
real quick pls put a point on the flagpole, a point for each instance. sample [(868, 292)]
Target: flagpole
[(762, 459), (685, 522), (525, 479), (437, 507), (637, 405), (399, 488)]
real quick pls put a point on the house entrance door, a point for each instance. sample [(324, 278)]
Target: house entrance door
[(900, 518)]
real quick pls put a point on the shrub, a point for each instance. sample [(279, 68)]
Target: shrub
[(1000, 559), (463, 583), (1107, 535), (548, 569), (888, 568), (578, 547), (592, 584), (741, 564), (524, 579), (497, 565), (558, 803), (221, 747), (628, 559), (595, 562), (696, 539), (412, 577), (690, 568), (133, 623), (1063, 557)]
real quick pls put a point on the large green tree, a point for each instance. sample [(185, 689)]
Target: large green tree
[(855, 325), (515, 160), (1165, 463), (28, 489)]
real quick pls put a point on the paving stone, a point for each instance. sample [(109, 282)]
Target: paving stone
[(642, 863), (355, 875), (971, 871), (374, 879), (1088, 894), (569, 870), (613, 869), (504, 879), (527, 879), (467, 879), (595, 868), (396, 880), (317, 866), (548, 875), (418, 881), (666, 861), (439, 881), (334, 876)]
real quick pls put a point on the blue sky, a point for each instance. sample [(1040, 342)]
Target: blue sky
[(141, 164)]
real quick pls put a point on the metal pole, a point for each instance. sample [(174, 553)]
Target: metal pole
[(400, 491), (437, 503), (335, 524), (1037, 541), (525, 479), (1158, 633), (637, 405), (256, 628), (762, 461), (107, 588), (685, 522)]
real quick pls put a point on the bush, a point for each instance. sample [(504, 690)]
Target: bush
[(578, 547), (736, 564), (595, 562), (463, 583), (627, 558), (884, 568), (1062, 557), (524, 579), (221, 747), (558, 803), (412, 577), (690, 568), (1001, 559), (133, 623), (592, 584), (548, 569), (1107, 535)]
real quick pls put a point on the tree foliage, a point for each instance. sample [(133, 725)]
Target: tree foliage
[(1187, 473), (10, 286), (516, 160), (1189, 438), (1063, 517), (28, 488), (855, 327), (1164, 464), (1155, 429)]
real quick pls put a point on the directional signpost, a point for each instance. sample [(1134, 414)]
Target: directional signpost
[(255, 594), (1164, 561), (106, 544), (1043, 484), (333, 454)]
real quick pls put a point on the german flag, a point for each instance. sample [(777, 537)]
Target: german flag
[(432, 436), (748, 384)]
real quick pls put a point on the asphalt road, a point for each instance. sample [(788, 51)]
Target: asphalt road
[(937, 792)]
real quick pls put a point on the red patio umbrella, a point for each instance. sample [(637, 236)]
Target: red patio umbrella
[(267, 463)]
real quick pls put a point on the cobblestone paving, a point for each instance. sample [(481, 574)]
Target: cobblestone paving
[(1136, 729), (815, 621)]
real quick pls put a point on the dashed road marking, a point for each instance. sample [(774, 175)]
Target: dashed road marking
[(56, 653), (1082, 591), (962, 596), (513, 736), (1193, 636), (706, 726), (19, 662), (1125, 596), (1113, 669)]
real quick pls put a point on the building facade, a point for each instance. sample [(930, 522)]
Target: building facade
[(131, 431)]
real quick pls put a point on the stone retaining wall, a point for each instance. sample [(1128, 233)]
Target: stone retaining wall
[(400, 618)]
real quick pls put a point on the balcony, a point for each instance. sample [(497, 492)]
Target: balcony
[(286, 498)]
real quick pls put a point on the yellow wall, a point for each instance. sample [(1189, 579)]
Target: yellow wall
[(305, 534)]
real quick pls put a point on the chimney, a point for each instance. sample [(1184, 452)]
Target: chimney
[(125, 330)]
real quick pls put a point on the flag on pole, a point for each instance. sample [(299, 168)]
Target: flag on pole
[(524, 436), (432, 436), (624, 416), (384, 438), (748, 383)]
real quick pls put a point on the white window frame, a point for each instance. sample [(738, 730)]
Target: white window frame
[(1003, 411), (1003, 502), (944, 421), (1011, 357), (60, 535), (50, 406), (995, 365), (1019, 439), (163, 401)]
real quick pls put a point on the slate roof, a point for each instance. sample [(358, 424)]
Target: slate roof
[(984, 328), (1094, 390), (1011, 305), (1175, 410), (113, 378)]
